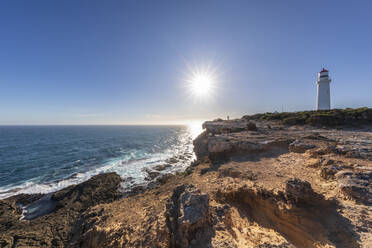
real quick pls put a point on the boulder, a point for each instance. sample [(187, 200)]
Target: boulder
[(355, 186), (164, 178), (300, 193), (278, 144), (227, 171), (299, 146), (220, 148), (25, 199), (162, 167), (329, 171), (251, 126), (98, 189), (218, 127), (172, 160), (151, 174), (187, 216), (323, 150)]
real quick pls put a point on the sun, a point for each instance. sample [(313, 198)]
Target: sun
[(201, 82)]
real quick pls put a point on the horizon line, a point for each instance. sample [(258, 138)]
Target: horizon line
[(164, 123)]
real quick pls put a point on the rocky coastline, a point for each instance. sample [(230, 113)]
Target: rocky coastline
[(257, 182)]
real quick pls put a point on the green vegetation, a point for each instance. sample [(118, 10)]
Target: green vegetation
[(334, 117)]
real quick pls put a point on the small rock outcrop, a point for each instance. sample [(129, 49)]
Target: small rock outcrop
[(54, 229), (328, 172), (152, 174), (251, 126), (201, 146), (162, 167), (356, 186), (100, 188), (300, 146), (188, 217), (233, 126)]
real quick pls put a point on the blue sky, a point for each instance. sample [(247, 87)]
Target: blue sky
[(125, 62)]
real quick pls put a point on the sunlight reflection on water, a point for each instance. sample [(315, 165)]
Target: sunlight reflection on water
[(195, 128)]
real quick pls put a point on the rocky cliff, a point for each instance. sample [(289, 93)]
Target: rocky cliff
[(257, 183)]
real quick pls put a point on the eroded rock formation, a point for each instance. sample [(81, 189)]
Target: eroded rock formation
[(55, 228), (188, 217)]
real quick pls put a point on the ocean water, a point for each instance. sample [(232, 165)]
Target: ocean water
[(43, 159)]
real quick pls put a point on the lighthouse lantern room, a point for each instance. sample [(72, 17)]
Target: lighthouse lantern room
[(323, 96)]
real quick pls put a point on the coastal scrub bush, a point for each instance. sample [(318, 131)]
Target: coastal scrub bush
[(331, 118)]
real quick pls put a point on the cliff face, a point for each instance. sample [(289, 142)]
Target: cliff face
[(255, 184)]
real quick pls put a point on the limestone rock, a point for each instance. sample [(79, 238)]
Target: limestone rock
[(201, 146), (301, 193), (162, 167), (54, 229), (100, 188), (151, 174), (329, 171), (187, 216), (164, 178), (218, 127), (300, 146), (356, 186), (251, 126), (236, 173), (172, 160)]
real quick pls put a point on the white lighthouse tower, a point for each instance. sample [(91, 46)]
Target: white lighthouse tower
[(323, 95)]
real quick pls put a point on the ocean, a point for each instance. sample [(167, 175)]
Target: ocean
[(44, 159)]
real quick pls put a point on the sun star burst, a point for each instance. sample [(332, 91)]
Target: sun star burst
[(201, 82)]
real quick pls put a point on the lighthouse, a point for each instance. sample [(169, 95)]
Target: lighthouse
[(323, 95)]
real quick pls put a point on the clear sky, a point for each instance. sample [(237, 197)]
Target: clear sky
[(125, 62)]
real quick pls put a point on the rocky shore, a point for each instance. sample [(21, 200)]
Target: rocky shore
[(256, 183)]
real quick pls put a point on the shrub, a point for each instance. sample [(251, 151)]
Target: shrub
[(334, 117)]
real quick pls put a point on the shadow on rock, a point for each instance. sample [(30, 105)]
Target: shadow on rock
[(246, 151), (301, 215), (188, 218)]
